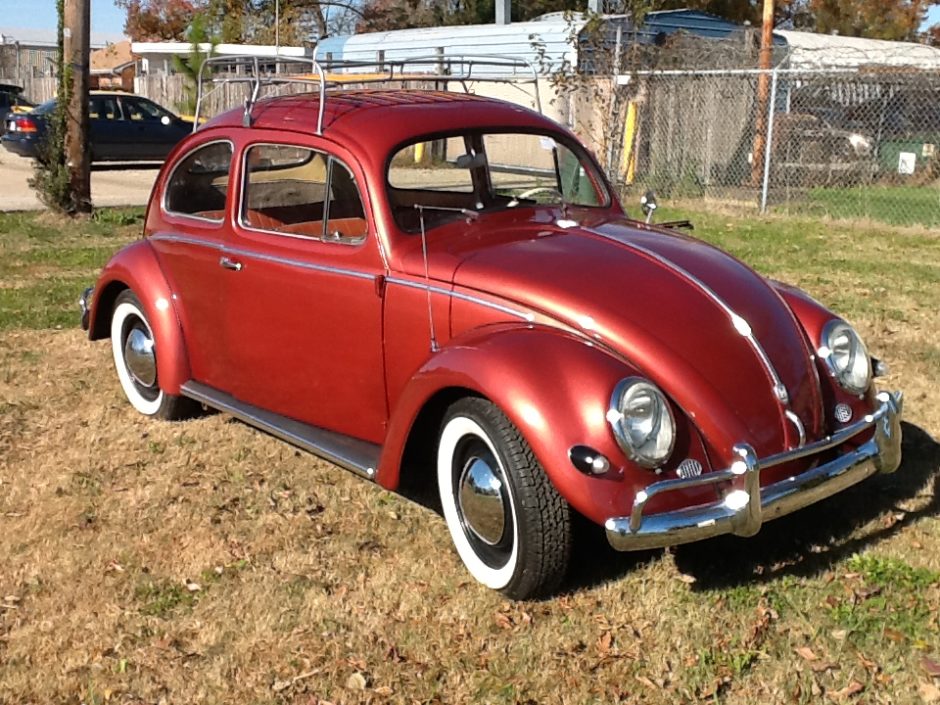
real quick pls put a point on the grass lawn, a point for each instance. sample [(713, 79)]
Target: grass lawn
[(894, 205), (202, 561)]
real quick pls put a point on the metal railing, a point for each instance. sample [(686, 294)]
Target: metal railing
[(843, 142)]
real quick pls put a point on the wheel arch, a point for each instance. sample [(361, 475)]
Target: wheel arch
[(137, 268), (497, 364), (100, 327)]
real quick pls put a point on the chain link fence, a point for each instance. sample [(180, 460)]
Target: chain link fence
[(843, 143)]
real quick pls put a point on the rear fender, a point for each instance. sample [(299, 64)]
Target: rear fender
[(555, 388), (136, 267)]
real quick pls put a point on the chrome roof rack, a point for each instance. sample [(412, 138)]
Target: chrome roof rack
[(256, 71)]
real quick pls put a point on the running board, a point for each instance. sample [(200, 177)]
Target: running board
[(352, 454)]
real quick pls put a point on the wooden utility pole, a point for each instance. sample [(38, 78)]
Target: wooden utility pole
[(763, 89), (77, 28)]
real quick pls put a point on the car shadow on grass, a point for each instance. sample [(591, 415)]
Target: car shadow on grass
[(805, 543), (809, 542)]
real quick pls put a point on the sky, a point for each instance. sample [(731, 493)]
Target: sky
[(40, 14), (105, 17)]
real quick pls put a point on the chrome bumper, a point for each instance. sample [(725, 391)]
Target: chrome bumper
[(84, 305), (746, 505)]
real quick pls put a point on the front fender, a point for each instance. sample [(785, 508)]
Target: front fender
[(555, 387), (136, 267)]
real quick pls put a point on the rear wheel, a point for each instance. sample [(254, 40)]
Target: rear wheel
[(510, 526), (135, 360)]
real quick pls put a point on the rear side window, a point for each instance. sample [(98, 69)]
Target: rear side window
[(104, 108), (301, 192), (198, 186)]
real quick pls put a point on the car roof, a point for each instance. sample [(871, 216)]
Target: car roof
[(379, 119)]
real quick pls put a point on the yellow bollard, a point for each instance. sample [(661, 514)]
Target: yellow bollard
[(628, 164)]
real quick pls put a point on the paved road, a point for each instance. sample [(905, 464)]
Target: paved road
[(110, 185)]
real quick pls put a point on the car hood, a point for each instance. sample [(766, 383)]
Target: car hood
[(675, 308)]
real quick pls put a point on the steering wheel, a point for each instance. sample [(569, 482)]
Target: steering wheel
[(532, 191)]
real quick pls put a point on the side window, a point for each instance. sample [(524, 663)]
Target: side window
[(303, 192), (345, 217), (104, 108), (137, 110), (199, 183)]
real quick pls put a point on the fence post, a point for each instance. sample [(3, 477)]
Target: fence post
[(771, 109)]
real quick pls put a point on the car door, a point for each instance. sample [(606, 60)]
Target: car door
[(188, 239), (303, 292), (156, 130), (109, 133)]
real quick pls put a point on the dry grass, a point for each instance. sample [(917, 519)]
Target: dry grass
[(205, 562)]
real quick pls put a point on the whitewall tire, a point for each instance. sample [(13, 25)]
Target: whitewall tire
[(133, 346), (509, 525)]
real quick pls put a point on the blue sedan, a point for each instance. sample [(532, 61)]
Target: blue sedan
[(122, 127)]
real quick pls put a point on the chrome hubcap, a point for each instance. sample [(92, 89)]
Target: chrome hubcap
[(139, 357), (480, 496)]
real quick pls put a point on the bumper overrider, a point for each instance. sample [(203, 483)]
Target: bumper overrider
[(746, 505)]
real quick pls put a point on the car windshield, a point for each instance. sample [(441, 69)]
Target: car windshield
[(487, 171)]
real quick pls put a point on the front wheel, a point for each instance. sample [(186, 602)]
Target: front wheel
[(135, 360), (510, 526)]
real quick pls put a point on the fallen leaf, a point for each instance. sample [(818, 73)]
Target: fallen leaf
[(356, 681), (853, 688), (687, 579), (867, 662), (806, 653), (647, 682), (604, 642), (839, 634), (894, 635), (865, 593), (192, 586), (822, 666), (384, 691), (929, 692), (931, 666)]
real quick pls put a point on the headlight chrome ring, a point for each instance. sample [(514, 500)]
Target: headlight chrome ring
[(641, 419), (846, 356)]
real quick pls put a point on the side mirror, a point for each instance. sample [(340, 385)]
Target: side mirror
[(648, 204)]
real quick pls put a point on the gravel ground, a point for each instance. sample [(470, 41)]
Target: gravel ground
[(111, 185)]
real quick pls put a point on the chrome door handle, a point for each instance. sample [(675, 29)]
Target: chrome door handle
[(230, 264)]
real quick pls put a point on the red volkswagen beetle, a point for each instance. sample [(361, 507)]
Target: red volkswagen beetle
[(440, 289)]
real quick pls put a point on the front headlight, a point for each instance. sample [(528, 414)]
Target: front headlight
[(642, 422), (847, 357)]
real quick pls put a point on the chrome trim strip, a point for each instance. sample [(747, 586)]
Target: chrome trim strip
[(746, 505), (462, 297), (249, 254), (360, 457), (186, 240), (301, 264), (798, 423), (737, 321)]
